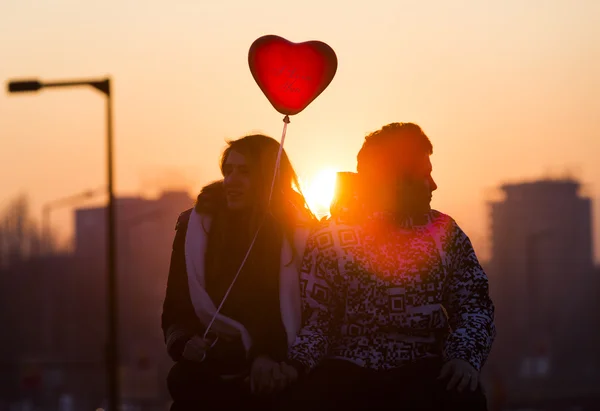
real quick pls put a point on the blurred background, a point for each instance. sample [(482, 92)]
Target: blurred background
[(508, 92)]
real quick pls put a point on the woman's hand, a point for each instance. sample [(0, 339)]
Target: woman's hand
[(266, 376), (289, 375), (196, 348)]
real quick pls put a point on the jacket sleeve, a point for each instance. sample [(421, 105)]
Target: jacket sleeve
[(323, 301), (468, 304), (179, 321)]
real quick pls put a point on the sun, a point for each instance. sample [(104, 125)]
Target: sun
[(319, 191)]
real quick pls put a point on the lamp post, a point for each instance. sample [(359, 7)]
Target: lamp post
[(112, 357)]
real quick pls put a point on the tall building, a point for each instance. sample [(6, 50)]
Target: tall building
[(543, 281), (145, 232)]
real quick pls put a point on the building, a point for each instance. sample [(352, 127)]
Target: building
[(544, 284), (54, 312), (145, 232)]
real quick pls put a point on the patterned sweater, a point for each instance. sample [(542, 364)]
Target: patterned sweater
[(382, 295)]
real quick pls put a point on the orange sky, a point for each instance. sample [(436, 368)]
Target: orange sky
[(506, 91)]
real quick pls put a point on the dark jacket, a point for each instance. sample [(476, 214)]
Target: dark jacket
[(254, 300), (179, 321)]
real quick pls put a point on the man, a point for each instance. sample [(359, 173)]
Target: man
[(397, 308)]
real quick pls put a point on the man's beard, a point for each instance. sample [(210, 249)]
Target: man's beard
[(413, 199)]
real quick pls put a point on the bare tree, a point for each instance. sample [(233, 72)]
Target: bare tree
[(20, 237)]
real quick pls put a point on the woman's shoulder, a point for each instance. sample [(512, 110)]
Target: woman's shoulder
[(183, 219), (305, 221)]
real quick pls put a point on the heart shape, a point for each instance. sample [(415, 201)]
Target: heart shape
[(291, 75)]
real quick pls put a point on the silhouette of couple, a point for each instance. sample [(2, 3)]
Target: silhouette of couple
[(382, 305)]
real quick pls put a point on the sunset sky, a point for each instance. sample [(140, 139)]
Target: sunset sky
[(506, 90)]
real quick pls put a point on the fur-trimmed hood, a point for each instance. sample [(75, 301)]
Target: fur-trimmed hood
[(212, 199)]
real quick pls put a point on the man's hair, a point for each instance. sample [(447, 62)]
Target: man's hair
[(393, 143)]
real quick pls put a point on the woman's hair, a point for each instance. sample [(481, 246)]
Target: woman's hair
[(288, 205)]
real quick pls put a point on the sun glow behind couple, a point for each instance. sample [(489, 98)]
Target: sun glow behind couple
[(319, 191)]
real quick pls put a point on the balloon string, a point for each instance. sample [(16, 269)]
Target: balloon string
[(286, 121)]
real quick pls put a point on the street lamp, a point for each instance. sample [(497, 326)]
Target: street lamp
[(112, 357)]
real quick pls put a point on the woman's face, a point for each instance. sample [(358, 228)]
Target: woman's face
[(237, 181)]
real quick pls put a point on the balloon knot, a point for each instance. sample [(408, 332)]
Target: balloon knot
[(286, 119)]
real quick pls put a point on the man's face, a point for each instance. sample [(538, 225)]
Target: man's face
[(412, 185), (415, 187)]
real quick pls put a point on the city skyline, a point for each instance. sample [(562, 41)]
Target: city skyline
[(315, 194)]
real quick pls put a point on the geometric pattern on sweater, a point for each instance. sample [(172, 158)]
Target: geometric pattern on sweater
[(382, 294)]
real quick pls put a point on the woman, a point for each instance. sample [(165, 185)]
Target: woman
[(261, 315)]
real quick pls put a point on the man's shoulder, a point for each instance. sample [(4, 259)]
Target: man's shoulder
[(446, 227), (437, 217), (333, 223), (442, 223), (328, 229)]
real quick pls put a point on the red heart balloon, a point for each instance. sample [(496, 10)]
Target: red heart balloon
[(291, 75)]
